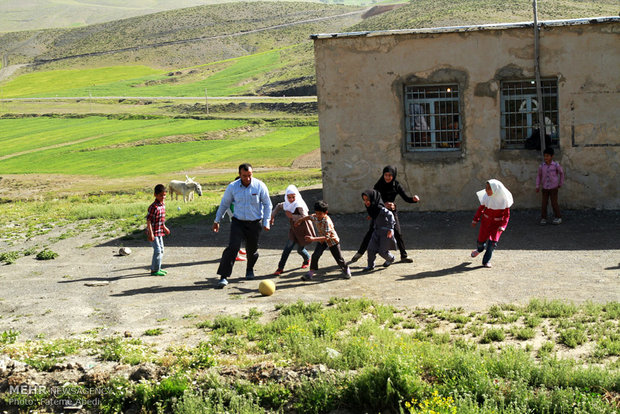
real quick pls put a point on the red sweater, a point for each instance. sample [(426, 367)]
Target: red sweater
[(490, 222)]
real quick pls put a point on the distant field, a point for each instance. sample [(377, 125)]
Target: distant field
[(127, 148), (56, 82), (225, 78)]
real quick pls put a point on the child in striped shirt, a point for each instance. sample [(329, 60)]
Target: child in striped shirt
[(327, 239)]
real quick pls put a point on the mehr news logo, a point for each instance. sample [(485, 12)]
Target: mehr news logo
[(66, 396)]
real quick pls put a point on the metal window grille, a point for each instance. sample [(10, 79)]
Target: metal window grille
[(432, 117), (519, 112)]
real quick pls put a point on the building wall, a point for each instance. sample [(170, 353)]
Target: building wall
[(360, 81)]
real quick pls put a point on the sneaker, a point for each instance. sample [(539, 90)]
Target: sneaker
[(159, 273), (475, 253), (489, 265), (387, 263), (308, 276), (355, 258), (305, 265), (222, 284), (240, 259), (405, 259), (557, 220), (242, 251), (249, 275), (368, 269), (347, 273), (543, 222), (278, 272)]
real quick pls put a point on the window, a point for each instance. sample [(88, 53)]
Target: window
[(432, 118), (519, 113)]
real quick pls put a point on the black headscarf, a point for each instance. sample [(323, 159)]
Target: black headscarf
[(388, 190), (375, 202)]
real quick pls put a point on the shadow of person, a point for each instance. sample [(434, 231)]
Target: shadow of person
[(460, 268)]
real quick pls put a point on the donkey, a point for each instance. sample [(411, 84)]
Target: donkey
[(186, 189)]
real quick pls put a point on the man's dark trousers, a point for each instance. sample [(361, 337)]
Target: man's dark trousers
[(240, 230)]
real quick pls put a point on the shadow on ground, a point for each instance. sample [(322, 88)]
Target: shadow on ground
[(581, 230)]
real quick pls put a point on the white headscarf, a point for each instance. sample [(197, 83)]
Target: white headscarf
[(499, 200), (299, 202)]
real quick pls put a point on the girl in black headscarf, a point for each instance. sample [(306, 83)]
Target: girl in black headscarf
[(388, 187), (382, 237)]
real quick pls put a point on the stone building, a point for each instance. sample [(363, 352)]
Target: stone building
[(452, 107)]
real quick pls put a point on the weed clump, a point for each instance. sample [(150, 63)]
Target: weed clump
[(46, 254)]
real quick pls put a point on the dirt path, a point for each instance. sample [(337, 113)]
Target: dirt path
[(577, 261)]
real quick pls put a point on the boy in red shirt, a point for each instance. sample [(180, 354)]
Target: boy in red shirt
[(156, 229)]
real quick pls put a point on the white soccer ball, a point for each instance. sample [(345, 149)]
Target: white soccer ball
[(124, 251)]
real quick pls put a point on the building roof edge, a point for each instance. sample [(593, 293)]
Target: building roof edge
[(473, 28)]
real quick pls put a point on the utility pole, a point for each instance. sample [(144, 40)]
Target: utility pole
[(541, 113), (207, 101)]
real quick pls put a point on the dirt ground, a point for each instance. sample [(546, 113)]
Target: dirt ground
[(88, 288)]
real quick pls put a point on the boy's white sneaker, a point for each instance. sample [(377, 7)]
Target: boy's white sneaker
[(557, 220), (543, 222)]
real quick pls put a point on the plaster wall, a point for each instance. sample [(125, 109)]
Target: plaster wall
[(360, 82)]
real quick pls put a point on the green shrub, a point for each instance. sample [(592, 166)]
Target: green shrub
[(572, 337), (9, 337), (9, 257), (228, 324), (153, 332), (216, 401), (162, 394), (523, 334), (46, 255), (551, 309), (493, 335)]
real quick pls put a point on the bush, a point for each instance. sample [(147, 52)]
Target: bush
[(493, 335), (572, 337), (9, 337), (46, 255), (9, 257)]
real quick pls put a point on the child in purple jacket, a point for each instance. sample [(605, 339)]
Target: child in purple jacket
[(551, 178)]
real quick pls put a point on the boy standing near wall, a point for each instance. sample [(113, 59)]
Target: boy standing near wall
[(551, 178)]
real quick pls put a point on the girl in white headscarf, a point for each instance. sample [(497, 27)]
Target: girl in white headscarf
[(493, 214), (294, 207)]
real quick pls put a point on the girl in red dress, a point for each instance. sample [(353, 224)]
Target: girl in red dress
[(493, 213)]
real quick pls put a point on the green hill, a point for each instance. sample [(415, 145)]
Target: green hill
[(179, 38), (252, 48), (17, 15)]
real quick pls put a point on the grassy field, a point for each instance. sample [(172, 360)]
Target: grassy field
[(125, 148), (360, 356), (226, 78), (98, 167)]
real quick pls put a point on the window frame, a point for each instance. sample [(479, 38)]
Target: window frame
[(518, 122), (440, 104)]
